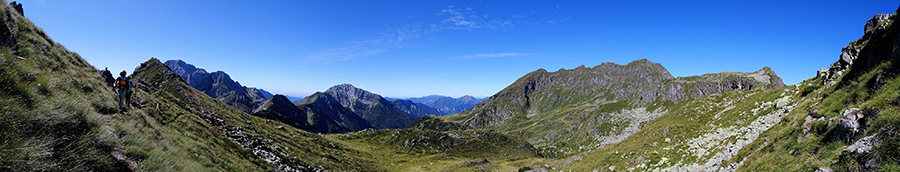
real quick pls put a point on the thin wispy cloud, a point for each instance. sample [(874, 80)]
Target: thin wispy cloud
[(451, 19), (493, 55)]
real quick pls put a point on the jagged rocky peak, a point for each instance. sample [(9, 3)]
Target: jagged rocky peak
[(348, 91), (180, 67), (370, 106), (876, 45)]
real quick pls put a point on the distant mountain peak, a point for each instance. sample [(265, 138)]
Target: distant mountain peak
[(380, 112), (218, 85)]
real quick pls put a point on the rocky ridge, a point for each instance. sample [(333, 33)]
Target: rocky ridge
[(370, 106), (326, 113), (219, 85), (584, 108)]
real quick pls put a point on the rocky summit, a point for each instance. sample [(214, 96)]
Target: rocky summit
[(219, 85), (379, 112), (327, 115)]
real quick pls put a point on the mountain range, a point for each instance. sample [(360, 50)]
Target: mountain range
[(219, 85), (370, 106), (56, 114), (444, 104), (607, 103)]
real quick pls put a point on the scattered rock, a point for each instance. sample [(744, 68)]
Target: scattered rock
[(853, 122), (257, 145), (863, 145)]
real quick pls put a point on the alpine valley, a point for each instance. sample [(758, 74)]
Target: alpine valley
[(57, 114)]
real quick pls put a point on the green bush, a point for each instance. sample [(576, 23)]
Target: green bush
[(523, 169), (809, 89)]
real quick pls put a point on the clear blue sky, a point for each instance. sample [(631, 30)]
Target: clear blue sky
[(417, 48)]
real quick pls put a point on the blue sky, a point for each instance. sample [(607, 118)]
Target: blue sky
[(454, 48)]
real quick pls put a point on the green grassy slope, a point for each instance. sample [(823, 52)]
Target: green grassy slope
[(51, 105), (428, 150), (571, 111), (185, 111), (56, 115), (813, 137), (697, 135), (845, 119)]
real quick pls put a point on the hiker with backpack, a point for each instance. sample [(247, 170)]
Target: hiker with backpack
[(123, 87), (107, 77)]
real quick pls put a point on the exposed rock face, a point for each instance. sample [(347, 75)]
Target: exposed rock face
[(416, 109), (327, 115), (879, 43), (218, 85), (372, 107), (873, 23)]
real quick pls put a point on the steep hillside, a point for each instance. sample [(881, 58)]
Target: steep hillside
[(416, 109), (209, 130), (370, 106), (849, 115), (53, 104), (325, 113), (584, 108), (847, 118), (219, 85)]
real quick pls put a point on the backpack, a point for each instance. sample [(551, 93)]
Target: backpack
[(121, 83)]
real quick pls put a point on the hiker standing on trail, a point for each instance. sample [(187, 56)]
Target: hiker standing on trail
[(107, 77), (122, 88)]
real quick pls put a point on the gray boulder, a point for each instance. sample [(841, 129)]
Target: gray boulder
[(873, 22)]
